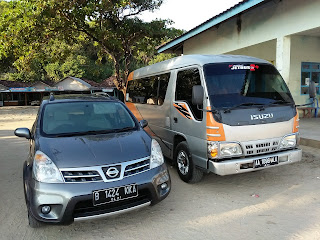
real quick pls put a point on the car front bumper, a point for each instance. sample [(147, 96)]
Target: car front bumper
[(74, 201), (243, 165)]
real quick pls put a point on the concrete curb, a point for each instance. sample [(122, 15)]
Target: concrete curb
[(310, 142)]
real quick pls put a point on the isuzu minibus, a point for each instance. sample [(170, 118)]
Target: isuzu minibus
[(224, 114)]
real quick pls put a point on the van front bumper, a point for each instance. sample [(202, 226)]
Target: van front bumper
[(244, 165)]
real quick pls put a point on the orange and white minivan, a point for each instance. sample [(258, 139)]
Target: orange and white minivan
[(224, 114)]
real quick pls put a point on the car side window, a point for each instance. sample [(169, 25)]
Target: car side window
[(186, 79)]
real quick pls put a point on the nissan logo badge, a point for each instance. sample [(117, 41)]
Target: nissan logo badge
[(112, 172)]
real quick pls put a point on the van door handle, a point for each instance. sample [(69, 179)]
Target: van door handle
[(175, 120)]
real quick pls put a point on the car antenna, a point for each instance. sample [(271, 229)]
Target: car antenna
[(51, 97)]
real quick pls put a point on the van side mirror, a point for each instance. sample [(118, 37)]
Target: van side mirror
[(143, 123), (23, 132), (312, 89), (197, 95)]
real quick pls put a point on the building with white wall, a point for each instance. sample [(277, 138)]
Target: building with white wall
[(284, 32)]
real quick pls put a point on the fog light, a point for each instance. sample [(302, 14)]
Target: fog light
[(164, 186), (45, 209)]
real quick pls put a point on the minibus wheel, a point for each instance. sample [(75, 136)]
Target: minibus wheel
[(185, 166)]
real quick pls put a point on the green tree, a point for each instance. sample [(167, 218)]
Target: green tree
[(113, 26)]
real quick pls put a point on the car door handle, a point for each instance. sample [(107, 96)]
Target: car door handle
[(175, 120)]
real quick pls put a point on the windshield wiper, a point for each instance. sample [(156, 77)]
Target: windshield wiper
[(123, 129), (92, 132), (277, 102), (243, 104)]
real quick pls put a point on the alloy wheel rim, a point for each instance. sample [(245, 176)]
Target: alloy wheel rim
[(183, 162)]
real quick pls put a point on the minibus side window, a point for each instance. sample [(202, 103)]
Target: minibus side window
[(150, 90), (163, 85), (186, 79)]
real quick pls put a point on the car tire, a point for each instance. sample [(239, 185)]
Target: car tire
[(33, 223), (25, 183), (185, 166)]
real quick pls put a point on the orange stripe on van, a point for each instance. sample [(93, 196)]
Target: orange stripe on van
[(134, 110), (215, 131), (182, 109), (137, 114), (130, 77), (296, 123)]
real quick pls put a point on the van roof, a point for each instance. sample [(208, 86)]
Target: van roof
[(188, 60)]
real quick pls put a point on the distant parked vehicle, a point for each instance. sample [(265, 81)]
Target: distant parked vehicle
[(89, 158), (35, 103)]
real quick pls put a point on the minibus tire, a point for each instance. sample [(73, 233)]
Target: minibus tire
[(185, 166)]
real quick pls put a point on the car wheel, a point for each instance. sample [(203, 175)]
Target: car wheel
[(25, 183), (33, 223), (185, 166)]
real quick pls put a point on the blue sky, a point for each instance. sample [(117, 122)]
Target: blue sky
[(188, 14)]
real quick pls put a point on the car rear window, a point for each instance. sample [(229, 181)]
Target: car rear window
[(85, 117)]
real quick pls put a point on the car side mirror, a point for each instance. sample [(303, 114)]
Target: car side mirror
[(312, 89), (197, 95), (143, 123), (23, 132)]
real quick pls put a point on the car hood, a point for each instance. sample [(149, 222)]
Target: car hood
[(94, 150)]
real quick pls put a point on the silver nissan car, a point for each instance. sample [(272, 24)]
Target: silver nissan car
[(89, 158)]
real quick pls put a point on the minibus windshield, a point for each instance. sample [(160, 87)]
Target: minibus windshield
[(245, 85)]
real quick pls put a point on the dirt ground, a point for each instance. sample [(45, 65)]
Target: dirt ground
[(276, 203)]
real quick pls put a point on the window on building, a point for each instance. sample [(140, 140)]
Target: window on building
[(151, 90), (186, 79), (309, 72)]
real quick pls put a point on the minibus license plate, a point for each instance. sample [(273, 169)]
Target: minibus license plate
[(264, 162), (114, 194)]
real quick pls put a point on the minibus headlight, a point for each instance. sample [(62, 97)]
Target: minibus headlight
[(230, 149), (289, 141)]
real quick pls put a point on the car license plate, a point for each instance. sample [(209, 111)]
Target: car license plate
[(114, 194), (264, 162)]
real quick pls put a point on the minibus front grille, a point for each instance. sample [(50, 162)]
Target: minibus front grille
[(261, 147)]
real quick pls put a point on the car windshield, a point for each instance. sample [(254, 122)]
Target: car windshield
[(241, 85), (80, 118)]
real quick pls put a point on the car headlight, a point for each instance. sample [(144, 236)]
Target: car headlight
[(156, 158), (221, 150), (45, 170), (289, 141)]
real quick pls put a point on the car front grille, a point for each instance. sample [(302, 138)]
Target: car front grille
[(137, 167), (101, 174), (81, 176), (261, 147)]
